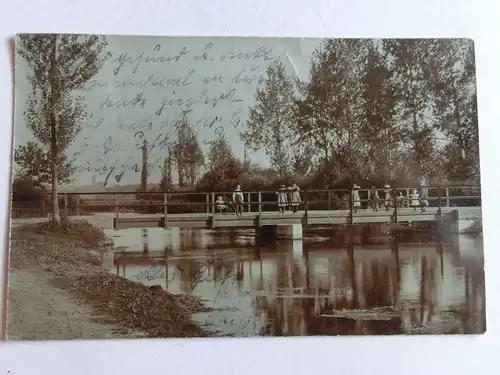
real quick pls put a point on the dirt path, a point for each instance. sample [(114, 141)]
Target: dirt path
[(38, 311), (58, 290)]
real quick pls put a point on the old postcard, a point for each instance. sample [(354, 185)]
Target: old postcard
[(204, 187)]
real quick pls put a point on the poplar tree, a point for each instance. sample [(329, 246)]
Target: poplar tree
[(60, 65), (455, 105), (269, 127), (187, 154)]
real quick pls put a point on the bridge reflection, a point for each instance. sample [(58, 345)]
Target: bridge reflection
[(289, 288)]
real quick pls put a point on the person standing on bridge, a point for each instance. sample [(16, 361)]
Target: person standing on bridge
[(424, 196), (238, 199), (373, 198), (282, 195), (356, 200), (295, 198), (387, 196), (414, 199)]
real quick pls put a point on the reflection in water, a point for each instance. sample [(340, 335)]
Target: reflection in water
[(290, 288)]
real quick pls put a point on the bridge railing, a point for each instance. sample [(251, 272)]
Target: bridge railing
[(76, 204)]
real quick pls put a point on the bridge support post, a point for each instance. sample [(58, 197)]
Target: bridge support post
[(289, 232), (165, 210)]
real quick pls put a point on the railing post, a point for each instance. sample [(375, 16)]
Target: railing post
[(65, 205), (117, 209), (213, 204), (306, 208), (439, 203), (77, 205), (249, 202), (329, 200), (43, 206), (259, 218), (260, 203), (213, 211), (165, 210), (351, 207), (395, 203), (447, 192), (207, 201)]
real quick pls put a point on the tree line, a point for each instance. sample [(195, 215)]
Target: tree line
[(373, 109), (388, 111)]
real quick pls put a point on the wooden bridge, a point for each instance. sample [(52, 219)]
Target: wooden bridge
[(318, 207)]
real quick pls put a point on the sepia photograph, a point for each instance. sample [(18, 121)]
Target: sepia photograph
[(178, 187)]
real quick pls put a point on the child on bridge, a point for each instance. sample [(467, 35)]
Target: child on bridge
[(356, 200), (282, 196), (295, 198), (238, 200), (220, 206), (373, 198)]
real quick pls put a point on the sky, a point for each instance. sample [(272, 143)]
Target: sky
[(149, 83)]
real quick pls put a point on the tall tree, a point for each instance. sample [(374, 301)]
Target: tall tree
[(411, 80), (187, 154), (455, 106), (34, 162), (303, 159), (166, 175), (222, 165), (328, 114), (378, 124), (270, 121), (61, 65)]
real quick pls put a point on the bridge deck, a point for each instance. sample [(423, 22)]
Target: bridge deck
[(252, 219)]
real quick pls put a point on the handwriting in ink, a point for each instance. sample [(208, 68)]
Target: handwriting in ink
[(137, 61), (260, 53), (108, 102)]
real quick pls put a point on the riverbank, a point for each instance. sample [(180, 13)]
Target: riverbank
[(57, 290)]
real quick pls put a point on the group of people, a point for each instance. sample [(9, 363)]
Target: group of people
[(288, 198), (237, 202), (414, 199)]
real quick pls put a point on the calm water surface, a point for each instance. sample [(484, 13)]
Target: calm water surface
[(307, 288)]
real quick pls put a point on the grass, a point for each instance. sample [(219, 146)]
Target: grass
[(80, 231)]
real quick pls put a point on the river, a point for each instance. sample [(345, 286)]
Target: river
[(299, 288)]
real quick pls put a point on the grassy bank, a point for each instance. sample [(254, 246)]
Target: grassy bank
[(69, 259)]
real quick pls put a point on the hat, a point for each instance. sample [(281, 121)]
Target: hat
[(356, 186), (387, 186)]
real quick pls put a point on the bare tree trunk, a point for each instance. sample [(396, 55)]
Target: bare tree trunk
[(53, 143)]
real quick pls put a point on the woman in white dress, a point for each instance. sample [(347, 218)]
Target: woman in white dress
[(356, 200), (414, 199), (387, 197), (282, 196), (295, 198)]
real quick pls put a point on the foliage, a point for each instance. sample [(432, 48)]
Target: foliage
[(411, 81), (187, 154), (166, 173), (328, 113), (222, 165), (35, 163), (24, 190), (455, 105), (378, 107), (270, 121)]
